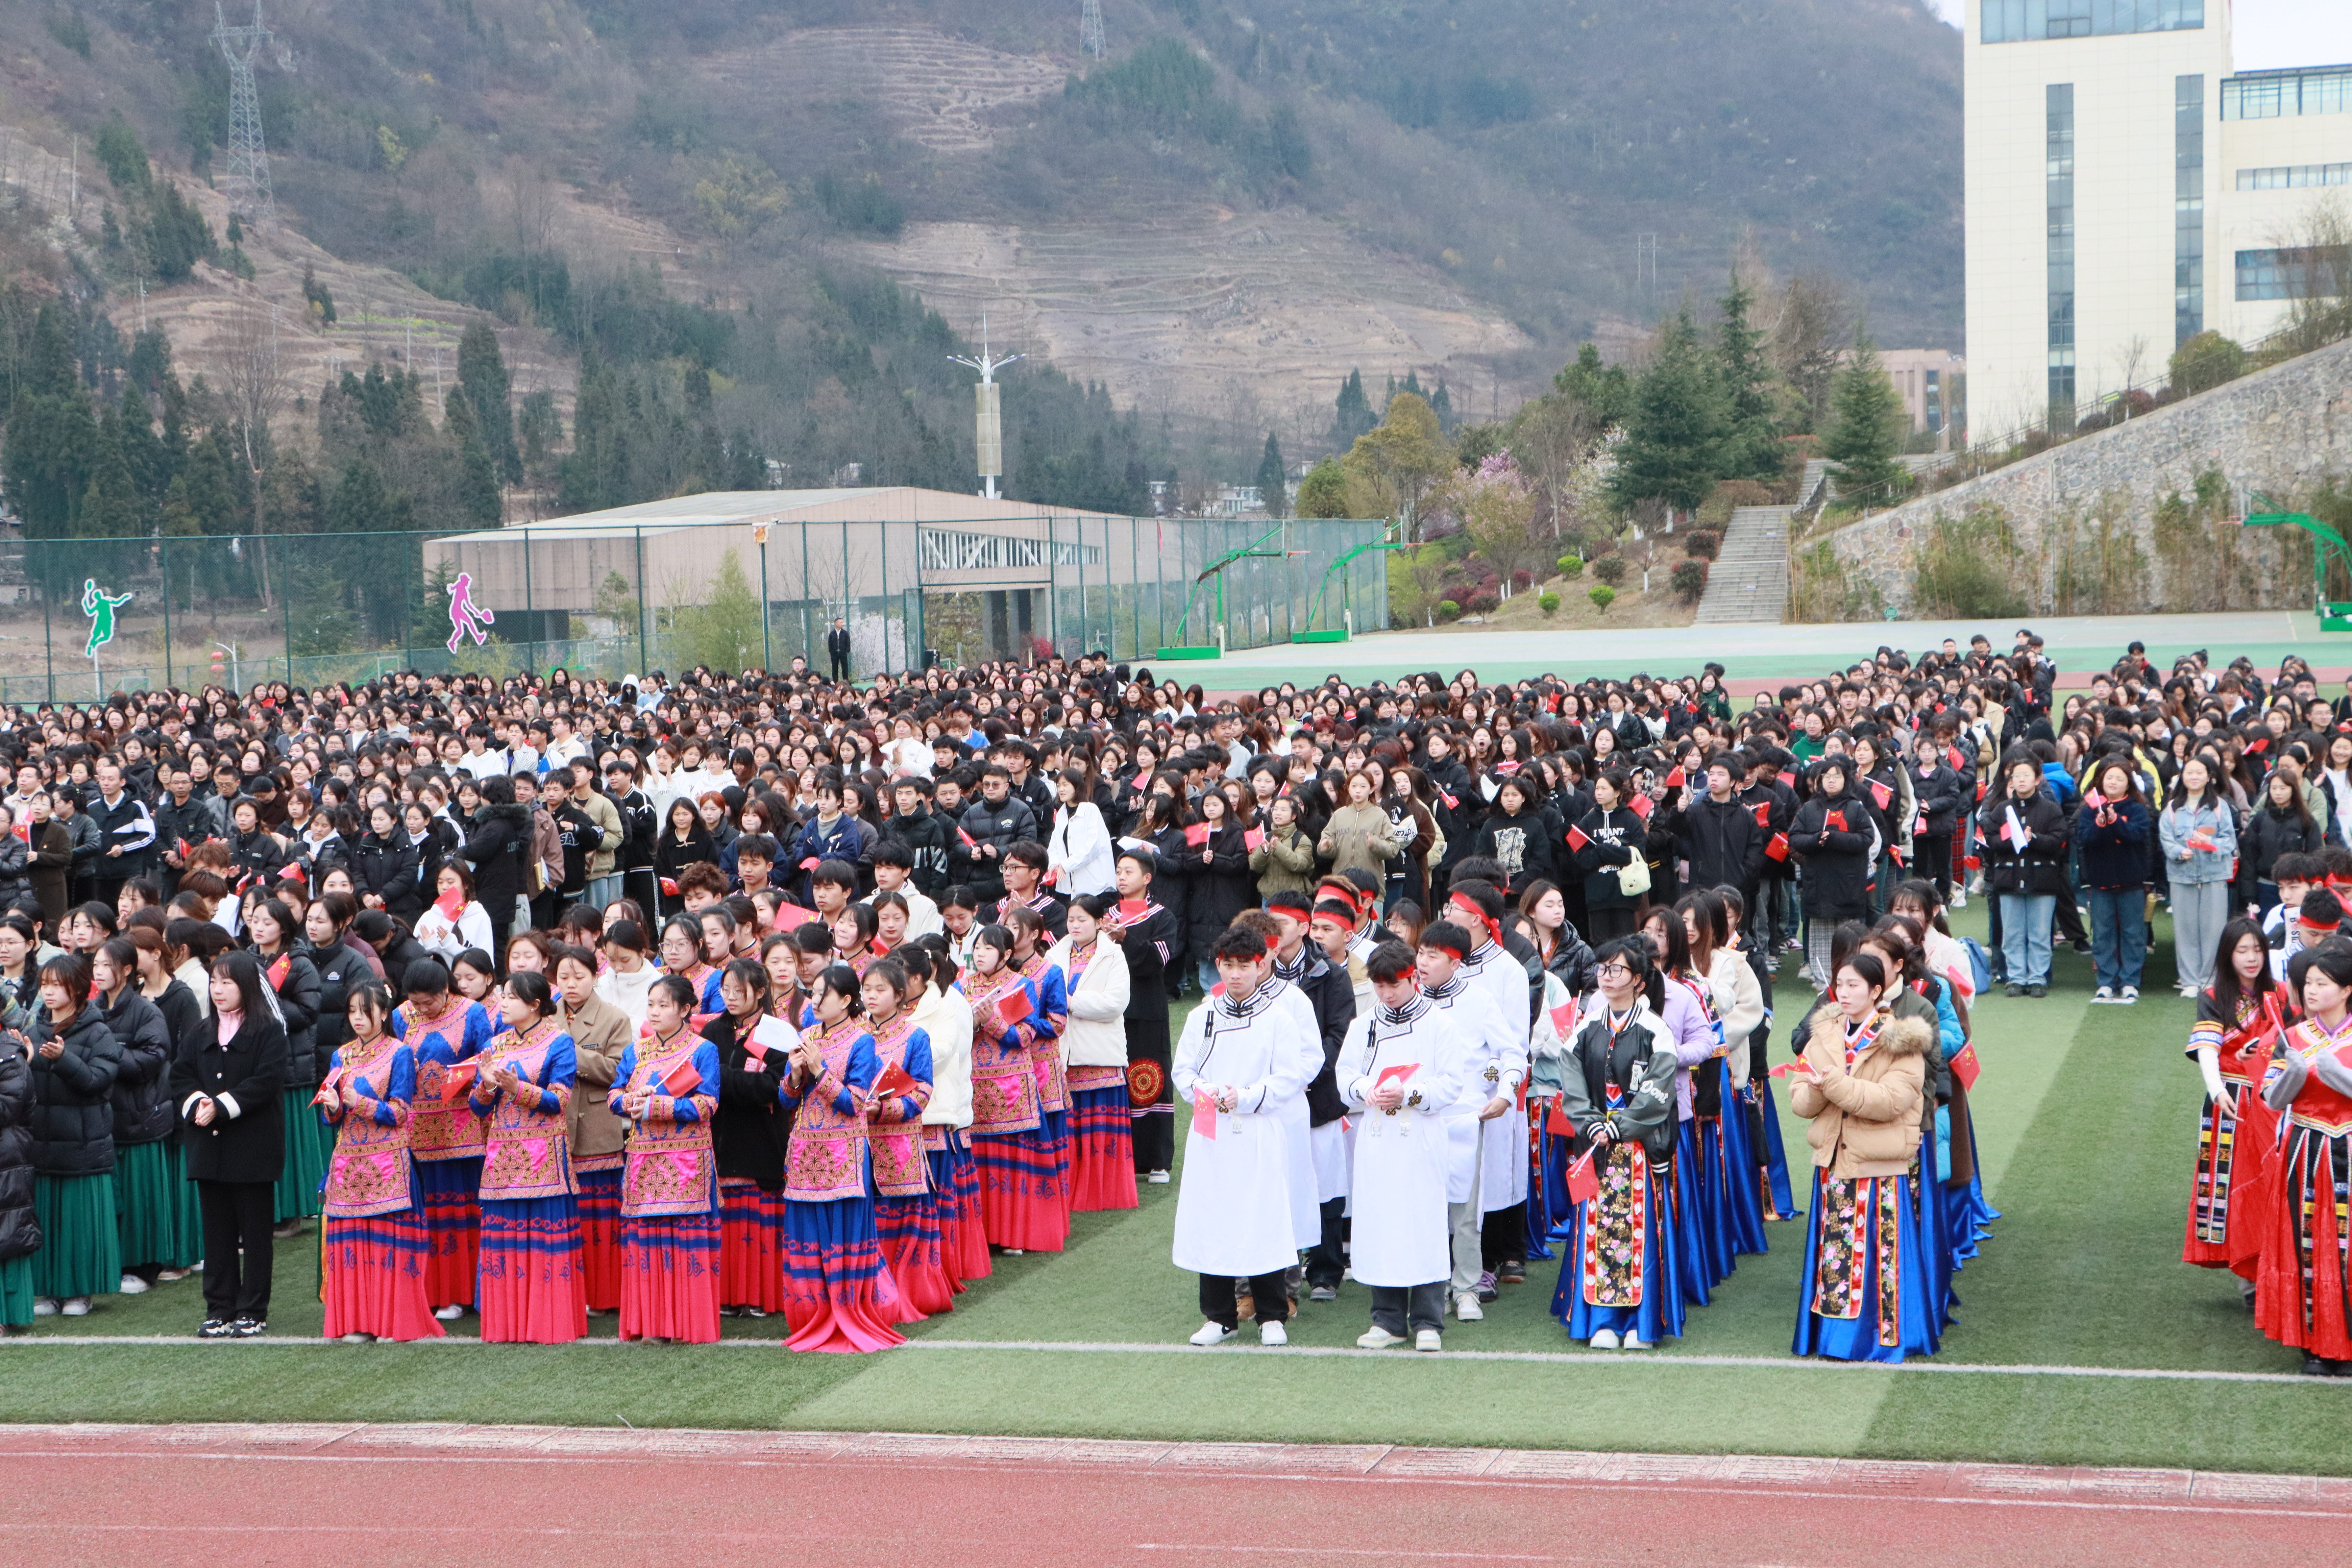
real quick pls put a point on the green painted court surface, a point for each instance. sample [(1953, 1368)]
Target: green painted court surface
[(2086, 1117)]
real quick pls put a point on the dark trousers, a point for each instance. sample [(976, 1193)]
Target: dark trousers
[(238, 1256), (1608, 924), (1328, 1259), (1932, 857), (839, 664), (1270, 1292), (502, 910), (1503, 1236), (2070, 919), (1409, 1308), (641, 885)]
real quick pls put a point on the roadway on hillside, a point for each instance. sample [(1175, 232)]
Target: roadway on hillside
[(2079, 643)]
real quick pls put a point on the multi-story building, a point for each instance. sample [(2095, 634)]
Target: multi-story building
[(2126, 191)]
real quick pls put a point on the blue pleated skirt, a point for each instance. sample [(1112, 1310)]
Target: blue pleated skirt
[(1859, 1233)]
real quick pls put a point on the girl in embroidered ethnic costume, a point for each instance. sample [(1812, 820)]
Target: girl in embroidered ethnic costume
[(667, 1088), (1621, 1272), (682, 955), (749, 1128), (373, 1248), (906, 1209), (2301, 1290), (838, 1292), (1863, 1292), (1028, 929), (1020, 1190), (1102, 1130), (1701, 1133), (446, 1033), (533, 1288), (2240, 1018)]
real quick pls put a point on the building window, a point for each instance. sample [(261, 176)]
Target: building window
[(2058, 162), (2282, 94), (2188, 207), (2305, 273), (2293, 176), (1932, 402), (2020, 21)]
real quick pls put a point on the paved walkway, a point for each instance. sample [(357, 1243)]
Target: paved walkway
[(2079, 644)]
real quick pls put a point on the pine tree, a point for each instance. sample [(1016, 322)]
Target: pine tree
[(482, 372), (1673, 434), (1605, 391), (1441, 403), (477, 481), (1353, 411), (110, 508), (1866, 430), (51, 451), (1274, 480), (1751, 447), (150, 463)]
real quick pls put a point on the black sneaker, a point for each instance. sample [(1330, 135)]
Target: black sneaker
[(2013, 989), (249, 1328), (2037, 990), (213, 1329), (2316, 1366), (1514, 1271)]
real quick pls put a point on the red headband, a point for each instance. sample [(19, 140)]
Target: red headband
[(1442, 945), (1493, 928)]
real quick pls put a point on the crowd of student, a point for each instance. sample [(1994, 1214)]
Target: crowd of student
[(763, 995)]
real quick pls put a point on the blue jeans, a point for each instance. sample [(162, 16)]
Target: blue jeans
[(2118, 935), (2025, 936)]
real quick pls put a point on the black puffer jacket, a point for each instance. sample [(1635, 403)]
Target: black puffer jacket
[(297, 1003), (338, 968), (20, 1232), (499, 846), (73, 1096), (142, 1112), (387, 868)]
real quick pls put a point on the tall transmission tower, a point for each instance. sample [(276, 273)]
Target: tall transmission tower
[(248, 159), (1090, 28), (988, 400)]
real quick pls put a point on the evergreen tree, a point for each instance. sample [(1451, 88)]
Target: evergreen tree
[(1353, 413), (1441, 403), (110, 508), (1273, 480), (1751, 447), (1866, 430), (143, 449), (1605, 391), (482, 372), (51, 449), (1673, 432), (477, 483)]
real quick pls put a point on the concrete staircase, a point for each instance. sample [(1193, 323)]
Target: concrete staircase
[(1748, 583)]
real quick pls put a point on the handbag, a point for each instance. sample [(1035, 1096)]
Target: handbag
[(1634, 877)]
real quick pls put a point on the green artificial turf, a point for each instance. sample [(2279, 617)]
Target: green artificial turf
[(2086, 1120)]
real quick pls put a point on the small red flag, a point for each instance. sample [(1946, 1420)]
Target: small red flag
[(1675, 778), (1396, 1074), (895, 1082), (1965, 1066), (1957, 761), (1131, 910), (1834, 820), (1880, 794), (669, 887), (1197, 836), (1577, 839), (1640, 806), (1583, 1181), (968, 840), (682, 1078), (1777, 847), (1763, 814), (1014, 1006), (1254, 838)]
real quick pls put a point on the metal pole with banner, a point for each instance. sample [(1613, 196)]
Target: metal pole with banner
[(760, 538)]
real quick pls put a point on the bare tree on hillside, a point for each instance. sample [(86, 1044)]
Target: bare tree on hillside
[(1815, 326), (254, 380)]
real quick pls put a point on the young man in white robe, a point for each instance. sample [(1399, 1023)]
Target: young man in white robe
[(1399, 1071), (1240, 1076), (1477, 908), (1483, 1095)]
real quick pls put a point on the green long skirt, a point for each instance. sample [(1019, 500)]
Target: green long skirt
[(145, 1207), (81, 1251), (187, 1210), (305, 1171), (16, 1291)]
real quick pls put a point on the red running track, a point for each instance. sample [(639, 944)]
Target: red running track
[(210, 1497)]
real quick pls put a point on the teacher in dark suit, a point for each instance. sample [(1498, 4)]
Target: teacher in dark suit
[(837, 648), (226, 1077)]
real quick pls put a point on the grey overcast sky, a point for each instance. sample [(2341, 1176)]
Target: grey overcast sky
[(2267, 34)]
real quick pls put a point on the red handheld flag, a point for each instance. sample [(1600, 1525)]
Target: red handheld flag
[(1197, 836), (454, 900), (458, 1081), (1583, 1181), (1254, 838), (1965, 1066), (1014, 1006), (1396, 1074), (1640, 806), (1577, 839), (1563, 1019), (1204, 1113), (1880, 794), (810, 863), (969, 842), (1952, 754), (1675, 777), (895, 1082), (1763, 814), (1777, 847), (669, 887), (1788, 778), (1557, 1124), (1834, 821), (1131, 910), (683, 1079)]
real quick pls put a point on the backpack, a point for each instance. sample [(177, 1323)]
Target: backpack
[(1980, 966)]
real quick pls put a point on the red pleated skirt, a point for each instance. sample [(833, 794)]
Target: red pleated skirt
[(453, 1225), (2301, 1296), (1102, 1148), (531, 1287), (838, 1292), (1021, 1202), (375, 1278), (600, 1237), (669, 1277), (751, 1245), (911, 1243)]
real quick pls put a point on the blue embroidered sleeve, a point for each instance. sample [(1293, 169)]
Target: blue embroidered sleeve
[(621, 1076)]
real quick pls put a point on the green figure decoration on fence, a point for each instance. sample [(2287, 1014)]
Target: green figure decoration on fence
[(99, 606)]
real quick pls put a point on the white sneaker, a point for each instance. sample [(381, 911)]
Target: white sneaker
[(1212, 1335), (1377, 1339), (2130, 996), (1959, 900), (1466, 1307), (1273, 1334), (1604, 1339), (1158, 1178), (1636, 1343), (75, 1307), (450, 1314), (1428, 1340), (2104, 994), (132, 1286), (46, 1307)]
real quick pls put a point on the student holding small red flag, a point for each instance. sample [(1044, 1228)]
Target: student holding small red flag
[(1619, 1272), (1611, 843), (1836, 835), (373, 1252), (532, 1286), (1020, 1191), (747, 1131), (1399, 1070), (667, 1087), (907, 1207), (446, 1033)]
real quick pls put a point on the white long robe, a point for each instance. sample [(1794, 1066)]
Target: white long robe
[(1401, 1237), (1248, 1194), (1503, 1143), (1470, 1014)]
